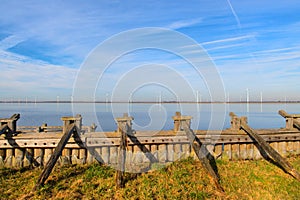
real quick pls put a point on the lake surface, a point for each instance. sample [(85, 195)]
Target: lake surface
[(149, 116)]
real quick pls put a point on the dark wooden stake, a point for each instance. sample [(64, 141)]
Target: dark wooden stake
[(268, 149), (120, 182), (202, 154), (54, 157), (124, 128), (3, 128)]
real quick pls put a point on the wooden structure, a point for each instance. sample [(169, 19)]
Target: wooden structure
[(124, 129), (207, 160), (266, 150), (292, 121), (72, 126), (8, 126), (33, 146)]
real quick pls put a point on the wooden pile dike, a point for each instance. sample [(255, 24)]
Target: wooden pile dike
[(33, 146)]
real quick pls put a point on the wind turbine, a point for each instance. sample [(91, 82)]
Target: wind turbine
[(247, 95), (247, 100)]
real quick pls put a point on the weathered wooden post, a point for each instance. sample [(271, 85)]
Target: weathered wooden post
[(179, 120), (184, 123), (2, 156), (92, 128), (291, 120), (71, 125), (176, 119), (77, 121), (124, 127), (8, 126), (236, 121), (43, 128)]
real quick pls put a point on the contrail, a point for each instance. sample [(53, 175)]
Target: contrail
[(10, 41), (234, 13)]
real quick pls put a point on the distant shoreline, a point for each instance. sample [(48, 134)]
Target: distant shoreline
[(154, 102)]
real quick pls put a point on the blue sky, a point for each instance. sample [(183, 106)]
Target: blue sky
[(253, 44)]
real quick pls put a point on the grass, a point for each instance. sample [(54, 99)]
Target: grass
[(180, 180)]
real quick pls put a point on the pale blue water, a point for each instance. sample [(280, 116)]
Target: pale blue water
[(149, 116)]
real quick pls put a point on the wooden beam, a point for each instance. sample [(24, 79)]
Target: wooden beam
[(15, 117), (270, 151), (286, 115), (3, 129), (54, 157), (11, 123), (203, 155)]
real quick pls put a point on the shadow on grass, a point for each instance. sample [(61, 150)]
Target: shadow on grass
[(10, 171), (64, 174)]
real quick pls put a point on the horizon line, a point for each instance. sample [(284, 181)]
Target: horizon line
[(162, 102)]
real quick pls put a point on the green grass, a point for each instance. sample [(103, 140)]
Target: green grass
[(181, 180)]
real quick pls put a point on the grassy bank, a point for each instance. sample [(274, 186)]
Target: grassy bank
[(180, 180)]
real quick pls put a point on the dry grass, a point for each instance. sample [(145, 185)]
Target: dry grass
[(180, 180)]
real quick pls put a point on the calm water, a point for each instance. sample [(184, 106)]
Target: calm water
[(149, 116)]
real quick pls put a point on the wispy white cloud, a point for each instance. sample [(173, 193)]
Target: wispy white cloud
[(24, 76), (277, 50), (184, 23), (233, 39), (226, 46), (10, 41)]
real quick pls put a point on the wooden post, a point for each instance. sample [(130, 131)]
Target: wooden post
[(8, 126), (176, 121), (82, 156), (2, 153), (170, 151), (291, 120), (75, 156), (113, 155), (124, 128), (77, 120), (90, 157), (38, 157), (235, 122), (270, 151), (2, 156), (201, 151), (177, 152), (9, 158), (162, 153), (179, 119), (70, 127), (92, 128), (250, 150), (19, 156), (47, 154), (105, 154), (28, 159)]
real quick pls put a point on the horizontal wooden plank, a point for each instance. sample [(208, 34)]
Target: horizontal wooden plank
[(285, 114), (32, 132), (51, 140)]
